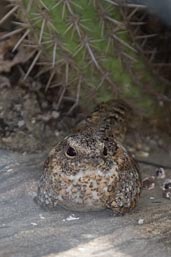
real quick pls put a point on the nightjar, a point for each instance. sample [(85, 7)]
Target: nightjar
[(90, 169)]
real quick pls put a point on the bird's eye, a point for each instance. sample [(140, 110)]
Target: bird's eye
[(70, 152), (104, 151)]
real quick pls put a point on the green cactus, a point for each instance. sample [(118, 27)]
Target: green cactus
[(86, 44)]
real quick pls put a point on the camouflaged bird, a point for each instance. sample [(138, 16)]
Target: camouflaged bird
[(90, 170)]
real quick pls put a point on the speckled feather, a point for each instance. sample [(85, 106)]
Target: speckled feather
[(90, 170)]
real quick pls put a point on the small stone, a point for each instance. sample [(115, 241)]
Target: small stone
[(152, 197), (71, 217), (55, 114), (160, 173), (140, 221), (9, 170), (139, 146), (46, 117), (167, 189), (41, 217), (161, 104), (167, 194), (44, 104), (149, 183), (143, 154), (18, 107), (167, 184), (33, 223), (55, 106), (57, 133), (7, 139), (33, 121), (146, 148), (21, 123)]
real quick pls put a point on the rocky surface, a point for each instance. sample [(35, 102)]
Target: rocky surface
[(26, 230)]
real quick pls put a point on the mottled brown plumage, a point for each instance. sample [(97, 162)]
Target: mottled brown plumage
[(90, 169)]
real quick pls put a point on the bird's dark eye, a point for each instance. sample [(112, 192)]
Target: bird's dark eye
[(105, 151), (71, 152)]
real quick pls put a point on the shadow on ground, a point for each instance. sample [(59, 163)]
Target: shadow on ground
[(27, 230)]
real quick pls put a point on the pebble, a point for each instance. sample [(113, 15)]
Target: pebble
[(33, 121), (140, 221), (45, 117), (160, 173), (18, 107), (7, 139), (44, 104), (143, 154), (57, 133), (167, 194), (167, 184), (41, 217), (33, 223), (167, 189), (55, 114), (149, 183), (21, 123), (9, 170), (71, 217)]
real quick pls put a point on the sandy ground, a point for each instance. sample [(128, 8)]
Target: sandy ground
[(26, 230)]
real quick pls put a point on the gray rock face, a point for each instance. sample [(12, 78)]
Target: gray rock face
[(26, 230), (160, 8)]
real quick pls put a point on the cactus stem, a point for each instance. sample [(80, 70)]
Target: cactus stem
[(84, 43)]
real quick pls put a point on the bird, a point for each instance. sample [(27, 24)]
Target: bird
[(90, 169)]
